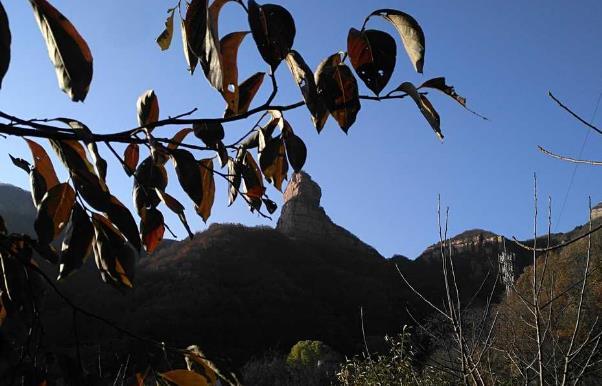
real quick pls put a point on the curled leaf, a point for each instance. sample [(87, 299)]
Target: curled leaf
[(114, 257), (43, 164), (68, 51), (210, 132), (439, 84), (178, 138), (296, 150), (272, 161), (304, 77), (190, 57), (411, 34), (425, 106), (164, 39), (234, 179), (121, 217), (148, 108)]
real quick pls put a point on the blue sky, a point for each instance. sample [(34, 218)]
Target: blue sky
[(382, 180)]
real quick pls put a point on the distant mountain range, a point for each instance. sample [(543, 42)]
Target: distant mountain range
[(237, 291)]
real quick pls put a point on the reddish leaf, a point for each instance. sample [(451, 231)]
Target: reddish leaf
[(208, 183), (372, 55), (130, 158), (152, 228)]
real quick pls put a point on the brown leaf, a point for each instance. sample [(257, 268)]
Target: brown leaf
[(43, 164), (246, 91), (208, 184), (203, 41), (410, 32), (251, 174), (229, 45), (189, 174), (372, 55), (296, 150), (68, 51), (5, 41), (210, 132), (78, 243), (234, 179), (176, 207), (178, 138), (164, 39), (304, 77), (53, 212), (273, 30), (338, 89), (152, 228), (121, 217), (149, 175), (272, 161), (148, 108), (114, 257), (130, 158), (425, 106), (85, 180)]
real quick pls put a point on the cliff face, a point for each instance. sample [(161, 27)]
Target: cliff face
[(302, 217)]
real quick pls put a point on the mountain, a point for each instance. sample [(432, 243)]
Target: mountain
[(238, 291), (16, 208)]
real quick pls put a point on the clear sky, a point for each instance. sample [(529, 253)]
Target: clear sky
[(381, 181)]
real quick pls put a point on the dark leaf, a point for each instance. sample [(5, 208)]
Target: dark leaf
[(114, 257), (5, 41), (86, 135), (68, 51), (295, 149), (164, 39), (425, 106), (148, 108), (222, 153), (304, 77), (251, 174), (372, 55), (234, 179), (149, 175), (203, 41), (273, 29), (209, 132), (152, 228), (272, 161), (246, 92), (121, 217), (208, 183), (93, 189), (410, 32), (337, 87), (37, 185), (270, 205), (176, 207), (189, 174), (47, 252), (21, 163), (53, 212), (78, 243), (130, 158), (439, 84)]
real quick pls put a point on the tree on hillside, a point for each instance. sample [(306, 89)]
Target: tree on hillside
[(94, 220)]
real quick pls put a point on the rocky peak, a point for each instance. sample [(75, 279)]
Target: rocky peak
[(303, 218)]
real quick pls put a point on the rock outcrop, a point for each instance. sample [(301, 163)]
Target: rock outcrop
[(303, 218)]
